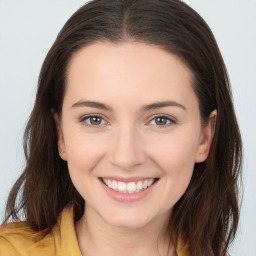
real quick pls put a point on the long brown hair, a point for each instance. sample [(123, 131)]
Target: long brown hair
[(207, 214)]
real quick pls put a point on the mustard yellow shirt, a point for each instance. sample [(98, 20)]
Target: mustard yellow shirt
[(17, 239)]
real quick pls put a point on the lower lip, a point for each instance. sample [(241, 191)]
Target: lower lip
[(127, 197)]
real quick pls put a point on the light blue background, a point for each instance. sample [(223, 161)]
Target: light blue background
[(28, 29)]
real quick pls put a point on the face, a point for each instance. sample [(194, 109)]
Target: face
[(130, 131)]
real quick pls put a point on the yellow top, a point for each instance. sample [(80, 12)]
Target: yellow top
[(17, 239)]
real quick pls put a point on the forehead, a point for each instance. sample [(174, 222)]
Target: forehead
[(139, 56), (127, 70)]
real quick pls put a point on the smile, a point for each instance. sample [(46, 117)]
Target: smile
[(129, 187), (127, 190)]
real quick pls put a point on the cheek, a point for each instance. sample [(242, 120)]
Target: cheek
[(174, 153), (175, 158), (83, 153)]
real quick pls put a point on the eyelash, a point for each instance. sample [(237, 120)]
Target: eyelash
[(171, 121)]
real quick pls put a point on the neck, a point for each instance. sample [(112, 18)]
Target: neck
[(96, 237)]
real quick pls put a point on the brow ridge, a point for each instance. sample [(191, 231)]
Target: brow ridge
[(152, 106)]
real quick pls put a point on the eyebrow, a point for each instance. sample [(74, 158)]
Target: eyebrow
[(99, 105)]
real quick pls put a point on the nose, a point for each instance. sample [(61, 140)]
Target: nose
[(127, 148)]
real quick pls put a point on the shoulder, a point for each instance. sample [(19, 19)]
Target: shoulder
[(19, 239), (183, 248)]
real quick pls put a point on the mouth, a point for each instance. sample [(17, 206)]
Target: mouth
[(129, 187)]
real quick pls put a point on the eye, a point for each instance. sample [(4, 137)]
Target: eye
[(93, 121), (162, 121)]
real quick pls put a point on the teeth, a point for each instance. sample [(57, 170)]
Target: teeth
[(145, 184), (109, 183), (121, 187), (150, 182), (130, 187), (139, 185), (114, 185)]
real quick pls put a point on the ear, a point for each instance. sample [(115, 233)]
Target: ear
[(60, 138), (206, 138)]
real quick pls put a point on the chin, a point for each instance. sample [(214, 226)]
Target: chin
[(128, 223), (130, 218)]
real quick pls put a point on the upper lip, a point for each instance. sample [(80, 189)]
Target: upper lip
[(127, 179)]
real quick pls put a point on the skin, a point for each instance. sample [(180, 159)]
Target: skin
[(129, 142)]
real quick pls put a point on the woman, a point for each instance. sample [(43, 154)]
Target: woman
[(132, 146)]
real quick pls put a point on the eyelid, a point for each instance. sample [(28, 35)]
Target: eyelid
[(83, 118), (171, 119)]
